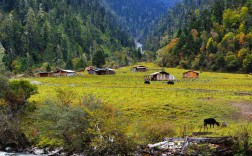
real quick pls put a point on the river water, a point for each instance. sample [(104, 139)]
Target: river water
[(14, 154), (139, 45)]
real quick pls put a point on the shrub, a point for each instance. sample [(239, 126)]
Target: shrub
[(15, 95), (4, 85), (18, 94), (152, 132)]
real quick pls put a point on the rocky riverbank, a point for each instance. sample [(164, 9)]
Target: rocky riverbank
[(34, 151)]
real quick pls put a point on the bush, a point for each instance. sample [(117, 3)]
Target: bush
[(15, 95), (4, 85), (64, 123), (18, 94), (152, 132), (88, 126)]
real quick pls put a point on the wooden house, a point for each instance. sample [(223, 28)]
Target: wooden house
[(140, 69), (62, 72), (110, 71), (45, 74), (102, 71), (160, 76), (191, 74)]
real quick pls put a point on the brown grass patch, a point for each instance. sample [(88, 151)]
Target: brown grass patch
[(245, 110)]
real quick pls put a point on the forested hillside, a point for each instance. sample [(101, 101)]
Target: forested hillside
[(138, 16), (206, 34), (170, 3), (60, 33)]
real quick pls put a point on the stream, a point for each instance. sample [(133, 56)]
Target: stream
[(14, 154), (139, 45)]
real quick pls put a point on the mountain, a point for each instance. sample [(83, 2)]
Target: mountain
[(211, 35), (138, 16), (64, 33)]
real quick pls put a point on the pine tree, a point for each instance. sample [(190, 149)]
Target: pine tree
[(99, 59)]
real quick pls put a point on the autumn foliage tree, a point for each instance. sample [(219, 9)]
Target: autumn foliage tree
[(215, 36)]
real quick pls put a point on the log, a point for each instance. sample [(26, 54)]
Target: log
[(211, 140), (187, 141), (157, 144), (201, 133)]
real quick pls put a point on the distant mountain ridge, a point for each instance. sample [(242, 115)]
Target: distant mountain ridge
[(138, 16)]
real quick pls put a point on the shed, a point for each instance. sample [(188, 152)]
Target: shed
[(45, 74), (160, 76), (110, 71), (139, 69), (191, 74), (103, 71), (62, 72)]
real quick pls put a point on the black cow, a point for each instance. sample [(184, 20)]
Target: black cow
[(210, 121), (146, 82), (170, 83)]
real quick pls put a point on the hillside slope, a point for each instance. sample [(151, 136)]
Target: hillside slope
[(62, 32), (205, 34), (138, 16)]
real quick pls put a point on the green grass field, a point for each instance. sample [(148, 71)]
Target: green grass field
[(226, 97)]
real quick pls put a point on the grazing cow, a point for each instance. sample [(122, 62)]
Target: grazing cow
[(210, 121), (170, 83), (146, 82)]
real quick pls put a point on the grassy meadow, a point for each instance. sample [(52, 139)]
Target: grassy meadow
[(225, 97)]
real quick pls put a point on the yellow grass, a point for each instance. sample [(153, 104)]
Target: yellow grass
[(186, 103)]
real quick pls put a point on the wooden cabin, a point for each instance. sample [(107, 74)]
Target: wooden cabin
[(191, 74), (160, 76), (110, 71), (139, 69), (102, 71), (62, 72), (45, 74)]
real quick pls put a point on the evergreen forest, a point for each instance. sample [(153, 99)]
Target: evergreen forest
[(64, 34)]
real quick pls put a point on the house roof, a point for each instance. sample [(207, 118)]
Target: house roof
[(103, 69), (109, 69), (191, 71), (99, 69), (171, 77), (140, 67), (161, 72), (67, 71)]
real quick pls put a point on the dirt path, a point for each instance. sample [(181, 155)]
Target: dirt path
[(245, 110)]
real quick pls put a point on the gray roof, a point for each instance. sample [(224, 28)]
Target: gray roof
[(163, 72)]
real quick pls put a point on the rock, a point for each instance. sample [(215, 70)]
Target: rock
[(9, 149), (36, 83), (38, 151), (63, 154), (55, 152)]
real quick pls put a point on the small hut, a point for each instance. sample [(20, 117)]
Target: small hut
[(160, 76), (62, 72), (103, 71), (191, 74), (139, 69), (110, 71), (45, 74)]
